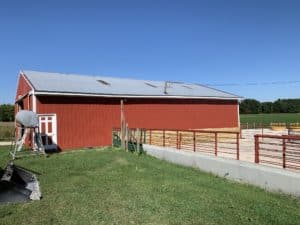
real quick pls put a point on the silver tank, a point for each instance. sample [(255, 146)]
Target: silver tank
[(27, 118)]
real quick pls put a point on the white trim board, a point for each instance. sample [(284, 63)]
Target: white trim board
[(133, 96)]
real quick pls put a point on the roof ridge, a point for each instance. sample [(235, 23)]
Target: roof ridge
[(110, 77)]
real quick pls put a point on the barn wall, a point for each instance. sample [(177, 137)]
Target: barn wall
[(84, 122), (181, 114), (27, 102), (81, 122), (23, 87)]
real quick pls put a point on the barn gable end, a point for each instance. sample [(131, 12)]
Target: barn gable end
[(24, 94), (23, 88)]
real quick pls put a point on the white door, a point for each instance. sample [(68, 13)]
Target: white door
[(47, 125)]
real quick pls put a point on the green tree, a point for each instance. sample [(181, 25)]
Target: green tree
[(267, 107), (7, 112), (250, 106)]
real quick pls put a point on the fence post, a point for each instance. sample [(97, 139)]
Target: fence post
[(194, 141), (237, 146), (164, 141), (141, 135), (216, 144), (241, 134), (126, 137), (112, 141), (123, 126), (256, 154), (138, 140), (283, 152), (177, 144)]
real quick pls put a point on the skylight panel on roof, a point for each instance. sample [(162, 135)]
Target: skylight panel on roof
[(185, 86), (104, 82), (151, 85)]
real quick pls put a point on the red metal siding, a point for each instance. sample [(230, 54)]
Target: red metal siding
[(181, 114), (81, 122), (84, 122), (23, 87), (27, 102)]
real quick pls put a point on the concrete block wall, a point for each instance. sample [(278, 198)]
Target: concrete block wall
[(269, 178)]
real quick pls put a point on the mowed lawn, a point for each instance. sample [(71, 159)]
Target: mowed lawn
[(110, 186), (270, 118)]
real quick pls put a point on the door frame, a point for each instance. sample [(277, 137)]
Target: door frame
[(54, 130)]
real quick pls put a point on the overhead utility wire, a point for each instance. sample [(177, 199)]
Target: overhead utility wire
[(256, 83)]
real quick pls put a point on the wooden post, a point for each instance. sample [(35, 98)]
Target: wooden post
[(216, 144), (283, 152), (241, 134), (194, 141), (256, 159), (126, 137), (177, 139), (138, 140), (141, 135), (179, 142), (164, 138), (237, 147), (150, 136), (122, 126), (112, 138)]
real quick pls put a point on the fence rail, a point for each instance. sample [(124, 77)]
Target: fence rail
[(278, 150), (219, 143), (260, 125)]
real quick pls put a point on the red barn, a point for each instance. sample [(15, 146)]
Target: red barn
[(78, 111)]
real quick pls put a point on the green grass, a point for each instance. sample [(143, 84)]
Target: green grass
[(7, 124), (269, 118), (6, 130), (110, 186)]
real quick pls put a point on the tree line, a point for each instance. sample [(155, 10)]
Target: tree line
[(252, 106), (7, 113)]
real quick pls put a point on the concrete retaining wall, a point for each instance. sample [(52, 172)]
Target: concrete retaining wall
[(272, 179)]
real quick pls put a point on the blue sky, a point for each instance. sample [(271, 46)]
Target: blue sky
[(209, 42)]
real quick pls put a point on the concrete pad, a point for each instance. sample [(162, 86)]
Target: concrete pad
[(5, 143), (247, 141)]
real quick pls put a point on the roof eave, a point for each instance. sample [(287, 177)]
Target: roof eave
[(134, 96)]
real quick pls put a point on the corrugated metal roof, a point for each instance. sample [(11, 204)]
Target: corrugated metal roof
[(102, 85)]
